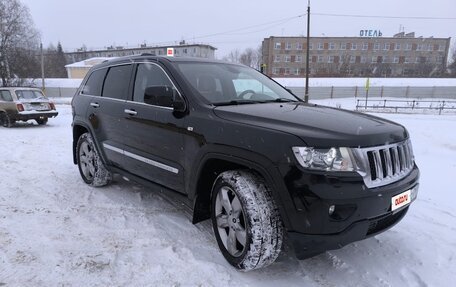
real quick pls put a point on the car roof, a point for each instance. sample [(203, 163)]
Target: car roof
[(147, 57)]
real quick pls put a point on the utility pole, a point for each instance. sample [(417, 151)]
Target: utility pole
[(42, 68), (306, 95)]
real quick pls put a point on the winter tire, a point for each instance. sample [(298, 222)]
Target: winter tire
[(246, 221), (41, 121), (91, 168), (5, 120)]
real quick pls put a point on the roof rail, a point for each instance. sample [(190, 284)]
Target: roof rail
[(147, 54)]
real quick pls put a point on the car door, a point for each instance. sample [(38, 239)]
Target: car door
[(106, 112), (154, 135)]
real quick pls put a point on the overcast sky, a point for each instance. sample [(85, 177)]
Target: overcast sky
[(99, 24)]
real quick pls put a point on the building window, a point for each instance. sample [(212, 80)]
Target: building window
[(277, 58), (430, 47), (298, 58), (354, 46), (275, 71), (287, 71), (419, 47), (332, 46), (363, 59), (343, 46), (374, 59), (408, 47), (352, 59), (396, 60), (386, 47), (320, 59), (407, 60), (320, 46), (277, 45), (441, 48), (417, 60), (298, 46), (397, 46), (311, 46), (376, 46), (365, 46), (385, 60), (439, 59), (296, 71), (331, 59), (287, 58), (287, 46)]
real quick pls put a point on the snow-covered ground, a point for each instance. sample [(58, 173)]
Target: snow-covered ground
[(57, 231)]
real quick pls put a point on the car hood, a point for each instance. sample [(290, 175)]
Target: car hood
[(317, 126)]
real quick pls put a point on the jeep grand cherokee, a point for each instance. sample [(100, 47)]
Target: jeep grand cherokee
[(241, 150)]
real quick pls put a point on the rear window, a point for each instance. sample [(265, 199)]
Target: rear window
[(117, 81), (94, 83), (28, 94)]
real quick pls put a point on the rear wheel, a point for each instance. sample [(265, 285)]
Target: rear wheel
[(42, 121), (5, 120), (91, 168), (246, 221)]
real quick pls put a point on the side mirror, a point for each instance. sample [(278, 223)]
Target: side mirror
[(164, 96)]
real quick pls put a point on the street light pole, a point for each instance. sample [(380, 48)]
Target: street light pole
[(306, 95), (42, 67)]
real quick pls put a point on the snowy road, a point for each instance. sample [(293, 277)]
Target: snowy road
[(56, 231)]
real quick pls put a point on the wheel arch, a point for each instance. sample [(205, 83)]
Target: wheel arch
[(212, 165)]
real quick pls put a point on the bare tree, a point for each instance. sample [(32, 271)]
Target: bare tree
[(233, 56), (249, 57), (17, 34), (452, 65)]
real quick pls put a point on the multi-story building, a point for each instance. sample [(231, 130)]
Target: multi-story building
[(183, 49), (402, 55)]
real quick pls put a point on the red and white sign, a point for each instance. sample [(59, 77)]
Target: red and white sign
[(400, 200), (170, 52)]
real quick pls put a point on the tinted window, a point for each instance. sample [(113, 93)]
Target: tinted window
[(94, 83), (5, 96), (149, 75), (116, 83)]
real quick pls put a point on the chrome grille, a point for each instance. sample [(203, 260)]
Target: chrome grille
[(382, 165)]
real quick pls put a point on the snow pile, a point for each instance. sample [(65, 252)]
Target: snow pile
[(374, 82), (55, 230)]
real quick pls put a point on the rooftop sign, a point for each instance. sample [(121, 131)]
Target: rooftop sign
[(370, 33)]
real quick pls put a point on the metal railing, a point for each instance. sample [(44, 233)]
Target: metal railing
[(406, 106)]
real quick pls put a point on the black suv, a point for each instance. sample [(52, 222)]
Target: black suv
[(241, 150)]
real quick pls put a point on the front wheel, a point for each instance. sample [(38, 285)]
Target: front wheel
[(246, 221), (91, 168), (5, 120)]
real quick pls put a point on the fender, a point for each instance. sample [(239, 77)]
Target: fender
[(89, 128), (246, 158)]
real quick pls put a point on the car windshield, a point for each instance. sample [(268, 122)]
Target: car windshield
[(29, 94), (226, 84)]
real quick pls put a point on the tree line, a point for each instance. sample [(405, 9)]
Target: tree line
[(20, 53)]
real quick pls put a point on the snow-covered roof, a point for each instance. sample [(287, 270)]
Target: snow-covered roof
[(89, 62)]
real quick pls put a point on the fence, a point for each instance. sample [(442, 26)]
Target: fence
[(412, 106), (316, 93)]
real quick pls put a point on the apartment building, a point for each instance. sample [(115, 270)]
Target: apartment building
[(183, 50), (402, 55)]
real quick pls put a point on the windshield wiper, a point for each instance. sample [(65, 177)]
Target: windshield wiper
[(236, 102), (280, 100)]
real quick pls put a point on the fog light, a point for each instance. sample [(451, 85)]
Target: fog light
[(332, 208), (414, 192)]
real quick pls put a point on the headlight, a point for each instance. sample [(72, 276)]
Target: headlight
[(332, 159)]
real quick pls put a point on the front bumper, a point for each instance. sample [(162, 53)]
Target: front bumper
[(33, 115), (359, 213)]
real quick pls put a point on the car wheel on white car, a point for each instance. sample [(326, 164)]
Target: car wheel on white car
[(5, 120), (246, 222), (91, 167)]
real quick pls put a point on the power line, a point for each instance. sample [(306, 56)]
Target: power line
[(384, 17)]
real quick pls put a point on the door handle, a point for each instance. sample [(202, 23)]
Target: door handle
[(95, 105), (130, 112)]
